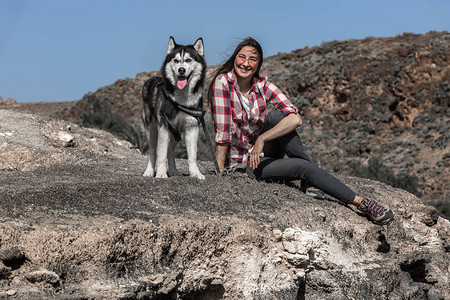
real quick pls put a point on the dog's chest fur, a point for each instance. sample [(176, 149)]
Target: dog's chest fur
[(186, 97)]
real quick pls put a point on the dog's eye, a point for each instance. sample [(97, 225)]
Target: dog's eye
[(188, 60), (176, 61)]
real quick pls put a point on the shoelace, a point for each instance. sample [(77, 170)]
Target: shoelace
[(374, 208)]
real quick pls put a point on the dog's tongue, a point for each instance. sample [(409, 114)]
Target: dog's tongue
[(181, 83)]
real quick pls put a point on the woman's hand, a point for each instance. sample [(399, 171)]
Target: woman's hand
[(255, 155)]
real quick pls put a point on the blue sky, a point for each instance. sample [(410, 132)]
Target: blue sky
[(56, 50)]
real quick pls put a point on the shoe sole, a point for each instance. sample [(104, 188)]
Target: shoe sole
[(386, 221)]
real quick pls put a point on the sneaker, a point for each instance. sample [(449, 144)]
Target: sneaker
[(375, 211)]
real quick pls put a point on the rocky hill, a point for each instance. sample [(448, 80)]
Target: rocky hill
[(79, 221), (377, 108)]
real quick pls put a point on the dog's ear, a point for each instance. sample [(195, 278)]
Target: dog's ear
[(172, 45), (198, 46)]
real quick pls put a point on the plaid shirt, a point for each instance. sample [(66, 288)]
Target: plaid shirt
[(231, 122)]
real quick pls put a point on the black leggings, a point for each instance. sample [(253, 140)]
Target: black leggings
[(298, 165)]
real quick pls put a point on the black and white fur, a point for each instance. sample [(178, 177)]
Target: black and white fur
[(183, 65)]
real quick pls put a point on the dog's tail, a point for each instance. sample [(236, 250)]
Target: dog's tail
[(149, 91)]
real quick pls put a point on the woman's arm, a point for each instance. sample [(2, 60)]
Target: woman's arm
[(221, 110), (286, 125), (279, 99), (290, 122), (221, 154)]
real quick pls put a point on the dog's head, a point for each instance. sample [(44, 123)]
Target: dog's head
[(184, 64)]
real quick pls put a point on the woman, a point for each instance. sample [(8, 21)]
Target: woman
[(247, 134)]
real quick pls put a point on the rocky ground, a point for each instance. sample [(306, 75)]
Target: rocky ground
[(78, 221)]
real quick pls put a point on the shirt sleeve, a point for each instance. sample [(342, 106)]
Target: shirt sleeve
[(274, 94), (221, 110)]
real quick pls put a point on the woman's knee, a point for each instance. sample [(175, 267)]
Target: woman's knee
[(273, 118)]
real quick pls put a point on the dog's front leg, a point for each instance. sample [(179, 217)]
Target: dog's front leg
[(152, 137), (171, 157), (161, 151), (191, 148)]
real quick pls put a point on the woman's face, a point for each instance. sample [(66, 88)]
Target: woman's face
[(246, 62)]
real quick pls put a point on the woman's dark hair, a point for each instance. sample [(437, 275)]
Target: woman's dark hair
[(229, 64)]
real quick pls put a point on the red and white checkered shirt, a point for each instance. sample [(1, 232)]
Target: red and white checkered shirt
[(231, 122)]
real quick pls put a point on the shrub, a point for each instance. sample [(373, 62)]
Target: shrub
[(443, 206), (376, 170), (99, 115)]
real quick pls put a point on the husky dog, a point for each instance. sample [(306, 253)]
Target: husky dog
[(170, 103)]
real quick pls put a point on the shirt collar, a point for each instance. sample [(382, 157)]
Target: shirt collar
[(231, 77)]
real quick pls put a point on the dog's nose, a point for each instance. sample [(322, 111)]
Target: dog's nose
[(182, 71)]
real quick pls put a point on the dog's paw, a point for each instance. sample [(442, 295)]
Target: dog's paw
[(176, 173), (148, 173), (161, 175), (198, 176)]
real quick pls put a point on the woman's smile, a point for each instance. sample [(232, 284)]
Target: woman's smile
[(246, 62)]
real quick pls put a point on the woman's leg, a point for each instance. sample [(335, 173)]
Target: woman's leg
[(300, 166), (290, 144), (289, 169)]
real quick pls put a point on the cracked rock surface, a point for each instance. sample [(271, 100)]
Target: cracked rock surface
[(78, 221)]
